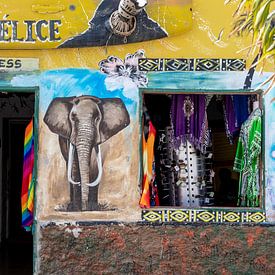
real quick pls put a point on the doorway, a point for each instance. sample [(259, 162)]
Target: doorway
[(16, 247)]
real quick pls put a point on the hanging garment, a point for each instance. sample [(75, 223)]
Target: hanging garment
[(230, 119), (194, 177), (247, 160), (148, 169), (27, 193), (165, 166), (154, 193), (241, 107), (189, 119)]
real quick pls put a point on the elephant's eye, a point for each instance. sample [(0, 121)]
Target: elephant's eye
[(73, 116), (97, 119)]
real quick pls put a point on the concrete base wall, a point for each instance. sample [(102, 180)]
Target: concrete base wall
[(163, 249)]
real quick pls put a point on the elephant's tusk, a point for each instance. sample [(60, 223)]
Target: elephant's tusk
[(70, 165), (99, 165)]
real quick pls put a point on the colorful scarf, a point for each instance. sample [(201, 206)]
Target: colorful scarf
[(189, 119), (149, 194), (27, 194)]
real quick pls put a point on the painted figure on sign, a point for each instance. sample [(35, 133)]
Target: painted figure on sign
[(118, 22), (82, 124)]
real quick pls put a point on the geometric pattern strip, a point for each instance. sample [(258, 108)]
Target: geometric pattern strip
[(202, 216), (190, 64)]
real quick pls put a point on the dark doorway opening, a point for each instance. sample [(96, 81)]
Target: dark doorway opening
[(16, 247)]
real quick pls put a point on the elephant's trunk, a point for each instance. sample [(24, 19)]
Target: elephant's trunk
[(70, 165), (85, 141)]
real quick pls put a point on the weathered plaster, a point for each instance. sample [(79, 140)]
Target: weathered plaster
[(143, 249)]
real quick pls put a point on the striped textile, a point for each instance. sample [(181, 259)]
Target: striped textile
[(27, 194)]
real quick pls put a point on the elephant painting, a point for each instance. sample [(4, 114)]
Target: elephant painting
[(83, 123)]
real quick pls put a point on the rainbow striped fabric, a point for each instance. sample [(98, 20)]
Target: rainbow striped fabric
[(27, 194)]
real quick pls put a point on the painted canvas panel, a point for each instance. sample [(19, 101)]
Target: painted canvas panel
[(51, 24), (82, 124)]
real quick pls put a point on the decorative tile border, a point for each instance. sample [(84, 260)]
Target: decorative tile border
[(192, 64), (205, 216)]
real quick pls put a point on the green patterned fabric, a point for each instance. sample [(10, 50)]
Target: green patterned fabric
[(247, 160)]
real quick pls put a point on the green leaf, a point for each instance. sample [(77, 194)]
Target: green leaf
[(268, 38), (241, 6), (265, 56), (271, 48), (256, 6), (255, 16), (271, 16), (261, 15)]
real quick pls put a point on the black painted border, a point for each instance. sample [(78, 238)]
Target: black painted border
[(191, 64), (202, 216)]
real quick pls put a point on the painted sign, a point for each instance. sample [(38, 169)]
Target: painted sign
[(41, 30), (18, 64), (97, 23)]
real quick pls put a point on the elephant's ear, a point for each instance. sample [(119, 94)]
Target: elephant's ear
[(57, 116), (115, 117)]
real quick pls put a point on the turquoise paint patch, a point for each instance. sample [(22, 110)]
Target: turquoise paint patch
[(72, 82), (272, 152), (203, 80), (270, 131)]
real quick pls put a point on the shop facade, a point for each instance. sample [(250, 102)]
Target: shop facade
[(90, 80)]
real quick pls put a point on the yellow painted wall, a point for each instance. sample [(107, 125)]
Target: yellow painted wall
[(173, 15), (209, 19)]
